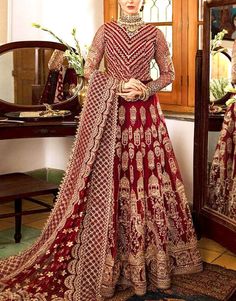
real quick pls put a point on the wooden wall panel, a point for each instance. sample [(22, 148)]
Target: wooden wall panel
[(110, 10), (3, 21)]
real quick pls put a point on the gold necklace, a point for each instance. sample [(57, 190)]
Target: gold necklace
[(130, 22)]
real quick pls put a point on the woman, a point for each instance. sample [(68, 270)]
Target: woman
[(222, 175), (121, 217)]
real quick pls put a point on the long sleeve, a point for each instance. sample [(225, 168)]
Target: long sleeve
[(95, 54), (165, 64)]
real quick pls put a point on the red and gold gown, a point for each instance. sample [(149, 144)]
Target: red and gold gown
[(121, 218), (222, 178)]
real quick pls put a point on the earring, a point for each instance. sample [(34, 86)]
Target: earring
[(142, 7)]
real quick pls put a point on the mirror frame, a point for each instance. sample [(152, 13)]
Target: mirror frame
[(39, 128), (5, 107), (208, 222)]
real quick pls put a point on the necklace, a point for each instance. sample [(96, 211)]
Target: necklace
[(130, 22)]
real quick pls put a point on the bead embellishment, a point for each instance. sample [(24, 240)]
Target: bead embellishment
[(131, 23)]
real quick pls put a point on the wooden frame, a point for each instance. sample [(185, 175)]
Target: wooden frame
[(209, 223), (55, 128)]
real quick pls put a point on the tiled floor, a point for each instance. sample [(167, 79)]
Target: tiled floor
[(211, 251)]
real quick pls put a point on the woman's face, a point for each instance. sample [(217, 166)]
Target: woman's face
[(130, 7)]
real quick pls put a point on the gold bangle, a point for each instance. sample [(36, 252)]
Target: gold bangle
[(146, 94), (121, 87)]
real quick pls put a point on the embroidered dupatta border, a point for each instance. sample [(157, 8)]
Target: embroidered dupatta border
[(98, 116)]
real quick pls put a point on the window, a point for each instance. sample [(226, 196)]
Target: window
[(179, 20)]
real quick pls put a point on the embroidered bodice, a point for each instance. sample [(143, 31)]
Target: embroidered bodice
[(129, 55)]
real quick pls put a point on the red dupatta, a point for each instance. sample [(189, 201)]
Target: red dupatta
[(66, 262)]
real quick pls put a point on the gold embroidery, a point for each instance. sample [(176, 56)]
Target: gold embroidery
[(121, 115), (166, 182), (131, 172), (124, 188), (153, 187), (125, 137), (151, 162), (229, 145), (231, 126), (159, 170), (139, 160), (148, 136), (131, 151), (223, 133), (143, 148), (181, 192), (118, 149), (229, 167), (118, 132), (140, 188), (133, 198), (172, 165), (167, 144), (153, 113), (137, 137), (157, 149), (125, 160), (162, 157), (130, 132), (141, 132), (162, 128), (143, 115), (133, 115), (154, 131)]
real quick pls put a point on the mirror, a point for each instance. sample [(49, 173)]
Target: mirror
[(220, 141), (25, 77), (215, 131), (35, 78), (220, 78)]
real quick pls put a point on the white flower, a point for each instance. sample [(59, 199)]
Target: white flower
[(73, 54), (69, 244)]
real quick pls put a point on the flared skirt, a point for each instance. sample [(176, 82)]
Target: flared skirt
[(151, 234)]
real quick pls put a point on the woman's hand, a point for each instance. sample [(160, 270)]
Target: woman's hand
[(132, 90), (134, 84), (131, 95)]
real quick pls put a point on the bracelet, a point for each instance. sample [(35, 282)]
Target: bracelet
[(146, 94), (121, 86)]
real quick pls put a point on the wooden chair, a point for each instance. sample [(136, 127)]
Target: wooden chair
[(15, 187)]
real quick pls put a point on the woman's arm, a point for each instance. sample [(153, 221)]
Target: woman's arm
[(95, 54), (165, 64)]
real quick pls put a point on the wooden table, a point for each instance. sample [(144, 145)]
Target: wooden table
[(17, 186)]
